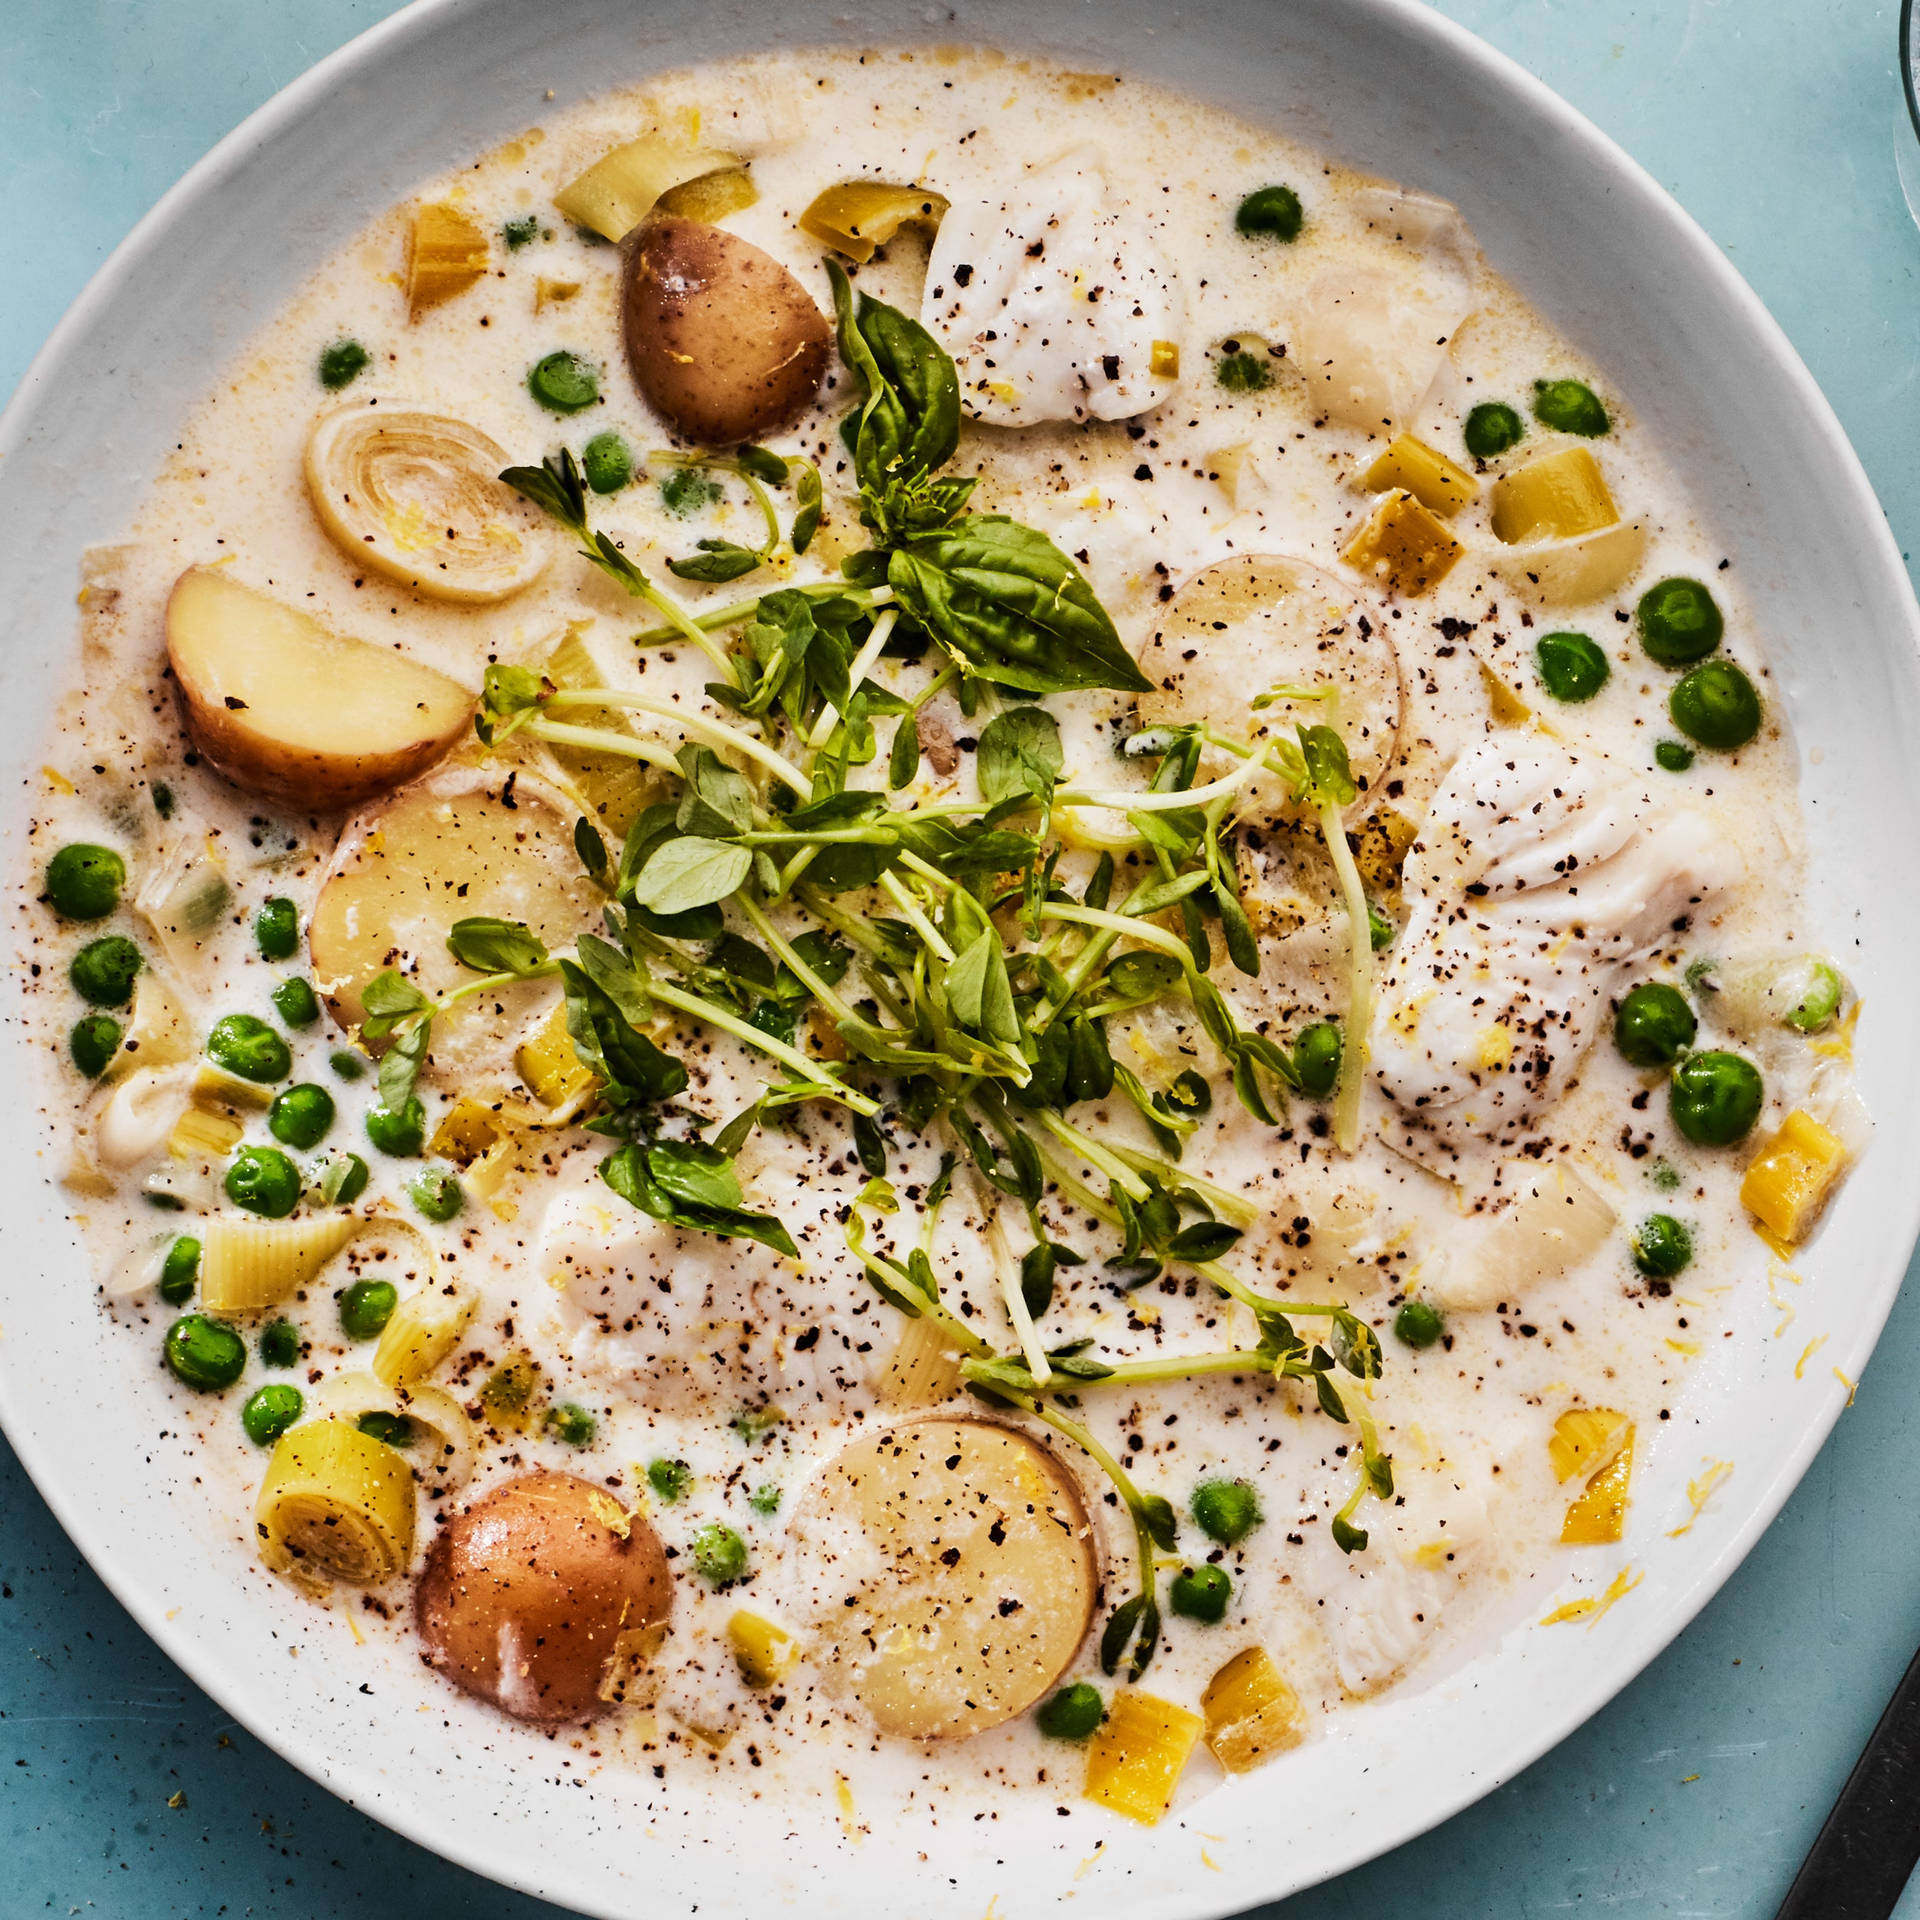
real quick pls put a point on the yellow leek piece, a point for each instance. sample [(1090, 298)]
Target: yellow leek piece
[(491, 1172), (1506, 706), (1163, 359), (551, 1068), (157, 1034), (212, 1089), (468, 1129), (1422, 471), (619, 190), (448, 255), (439, 1442), (711, 197), (1138, 1753), (1598, 1516), (764, 1651), (425, 1328), (1405, 545), (1585, 1439), (857, 216), (198, 1135), (924, 1368), (249, 1264), (1557, 497), (1790, 1180), (507, 1396), (1252, 1714), (552, 293), (335, 1501)]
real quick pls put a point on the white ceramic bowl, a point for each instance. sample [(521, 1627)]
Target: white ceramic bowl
[(1385, 85)]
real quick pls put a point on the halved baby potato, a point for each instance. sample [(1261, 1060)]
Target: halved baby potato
[(466, 843), (544, 1597), (1258, 622), (724, 342), (949, 1567), (417, 497), (287, 708)]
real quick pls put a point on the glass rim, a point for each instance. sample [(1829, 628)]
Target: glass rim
[(1906, 64)]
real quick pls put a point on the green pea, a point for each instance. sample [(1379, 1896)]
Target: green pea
[(392, 1429), (719, 1554), (296, 1002), (520, 232), (1818, 1005), (84, 881), (93, 1043), (280, 1344), (575, 1425), (1653, 1025), (276, 929), (437, 1193), (1569, 406), (669, 1480), (270, 1411), (1661, 1246), (1201, 1593), (1674, 755), (343, 363), (205, 1354), (344, 1181), (765, 1498), (1716, 706), (1572, 667), (1679, 622), (246, 1046), (1381, 932), (399, 1132), (366, 1307), (564, 383), (1242, 373), (264, 1181), (1072, 1713), (103, 971), (1714, 1098), (346, 1063), (1270, 213), (1492, 427), (1226, 1510), (180, 1271), (1418, 1324), (1316, 1059), (606, 462), (300, 1116)]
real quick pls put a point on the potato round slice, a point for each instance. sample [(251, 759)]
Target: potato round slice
[(416, 496), (1257, 622), (287, 708), (455, 847), (724, 342), (544, 1597), (950, 1568)]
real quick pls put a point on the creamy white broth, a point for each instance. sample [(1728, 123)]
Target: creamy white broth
[(667, 1337)]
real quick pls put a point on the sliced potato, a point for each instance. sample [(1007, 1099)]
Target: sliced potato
[(454, 847), (285, 707), (950, 1568), (417, 497), (1261, 621), (724, 342), (543, 1597)]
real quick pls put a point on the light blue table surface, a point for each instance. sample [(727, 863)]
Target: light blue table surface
[(1699, 1789)]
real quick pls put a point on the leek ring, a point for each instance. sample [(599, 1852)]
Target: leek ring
[(335, 1503)]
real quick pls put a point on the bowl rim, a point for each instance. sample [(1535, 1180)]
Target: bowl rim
[(467, 1844)]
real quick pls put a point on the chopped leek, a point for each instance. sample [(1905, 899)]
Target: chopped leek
[(249, 1264), (1557, 497), (1404, 545), (1252, 1714), (1137, 1755), (857, 216), (1790, 1180), (448, 255), (619, 190), (335, 1503)]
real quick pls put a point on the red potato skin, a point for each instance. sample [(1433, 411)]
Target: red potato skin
[(535, 1555), (724, 342)]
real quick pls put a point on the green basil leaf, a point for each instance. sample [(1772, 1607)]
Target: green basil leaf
[(488, 945), (1012, 607), (616, 976), (910, 417), (716, 799), (903, 762), (690, 872), (1019, 755), (978, 992), (715, 562), (633, 1067), (691, 1171)]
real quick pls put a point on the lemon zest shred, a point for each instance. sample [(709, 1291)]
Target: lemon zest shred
[(1813, 1347), (1852, 1386), (1699, 1492), (1595, 1606)]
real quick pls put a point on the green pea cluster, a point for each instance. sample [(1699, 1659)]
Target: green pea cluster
[(1713, 702), (1713, 1097), (84, 882)]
